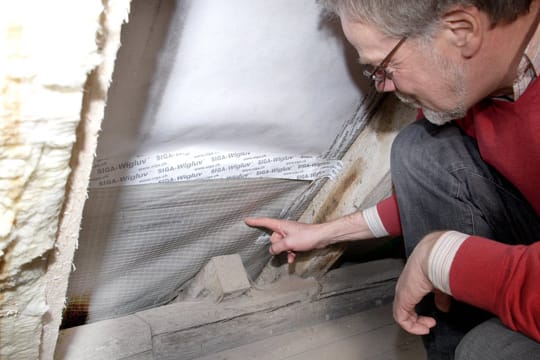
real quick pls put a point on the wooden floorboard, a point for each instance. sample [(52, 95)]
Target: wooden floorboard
[(368, 335), (344, 315)]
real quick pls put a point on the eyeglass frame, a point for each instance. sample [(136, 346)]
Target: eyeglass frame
[(381, 68)]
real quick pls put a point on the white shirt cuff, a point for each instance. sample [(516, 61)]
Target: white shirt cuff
[(373, 220), (441, 258)]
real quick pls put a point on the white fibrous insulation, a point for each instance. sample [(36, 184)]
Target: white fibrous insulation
[(47, 49)]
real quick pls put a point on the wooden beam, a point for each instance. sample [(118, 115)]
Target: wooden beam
[(365, 180), (60, 261), (191, 329)]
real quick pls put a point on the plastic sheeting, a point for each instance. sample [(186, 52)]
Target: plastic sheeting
[(266, 77), (239, 75), (140, 244)]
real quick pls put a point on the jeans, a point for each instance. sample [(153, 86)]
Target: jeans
[(491, 340), (442, 183)]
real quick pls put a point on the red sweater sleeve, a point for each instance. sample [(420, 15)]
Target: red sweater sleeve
[(389, 214), (502, 279)]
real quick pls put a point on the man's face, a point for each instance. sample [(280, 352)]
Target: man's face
[(423, 76)]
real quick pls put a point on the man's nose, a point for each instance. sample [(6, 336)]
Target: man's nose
[(386, 86)]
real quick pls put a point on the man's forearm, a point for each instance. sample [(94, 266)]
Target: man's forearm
[(347, 228), (500, 278)]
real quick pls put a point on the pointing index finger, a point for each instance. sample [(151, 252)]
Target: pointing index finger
[(264, 222)]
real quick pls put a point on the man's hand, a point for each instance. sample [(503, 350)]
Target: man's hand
[(413, 284), (291, 236)]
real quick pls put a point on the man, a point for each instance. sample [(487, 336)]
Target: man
[(467, 192)]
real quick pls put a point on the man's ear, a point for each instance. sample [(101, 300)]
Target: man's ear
[(464, 28)]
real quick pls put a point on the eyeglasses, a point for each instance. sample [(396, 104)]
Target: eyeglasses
[(379, 74)]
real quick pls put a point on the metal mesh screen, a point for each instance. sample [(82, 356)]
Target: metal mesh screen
[(140, 244)]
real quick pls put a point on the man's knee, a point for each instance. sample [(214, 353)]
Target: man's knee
[(408, 150), (422, 148), (403, 147), (491, 340)]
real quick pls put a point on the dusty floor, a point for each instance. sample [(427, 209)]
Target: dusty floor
[(367, 335), (344, 315)]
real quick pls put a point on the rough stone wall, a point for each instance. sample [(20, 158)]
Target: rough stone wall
[(47, 51)]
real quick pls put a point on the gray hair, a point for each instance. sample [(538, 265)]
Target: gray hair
[(419, 18)]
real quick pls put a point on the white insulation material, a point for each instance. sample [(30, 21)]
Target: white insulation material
[(211, 76), (40, 113), (47, 49)]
